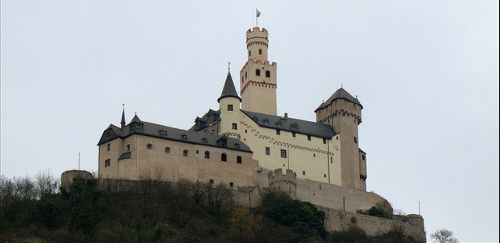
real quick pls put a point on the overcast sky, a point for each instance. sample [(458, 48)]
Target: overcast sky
[(426, 73)]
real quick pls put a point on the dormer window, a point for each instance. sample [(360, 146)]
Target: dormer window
[(294, 126), (266, 121), (162, 132), (184, 136), (279, 123), (204, 140), (237, 145)]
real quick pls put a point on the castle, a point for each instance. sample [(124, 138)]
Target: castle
[(247, 146)]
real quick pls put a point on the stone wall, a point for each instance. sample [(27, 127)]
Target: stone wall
[(338, 220)]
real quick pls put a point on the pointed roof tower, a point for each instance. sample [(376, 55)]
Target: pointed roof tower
[(123, 117), (228, 90)]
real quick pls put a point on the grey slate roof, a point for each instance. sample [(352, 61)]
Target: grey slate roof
[(208, 118), (229, 90), (136, 126), (125, 155), (339, 94), (292, 125)]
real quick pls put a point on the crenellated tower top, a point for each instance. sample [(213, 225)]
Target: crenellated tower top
[(257, 43)]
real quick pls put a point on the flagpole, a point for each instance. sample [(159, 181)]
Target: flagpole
[(257, 15)]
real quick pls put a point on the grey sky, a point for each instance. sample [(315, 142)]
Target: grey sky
[(426, 73)]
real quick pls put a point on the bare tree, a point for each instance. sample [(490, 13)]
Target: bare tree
[(46, 183), (443, 236)]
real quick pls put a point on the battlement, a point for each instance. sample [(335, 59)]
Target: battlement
[(256, 31), (283, 182), (259, 62)]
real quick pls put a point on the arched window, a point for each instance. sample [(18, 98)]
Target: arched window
[(257, 72), (167, 150), (128, 147), (268, 74), (185, 152), (207, 155), (223, 157), (150, 146), (238, 160)]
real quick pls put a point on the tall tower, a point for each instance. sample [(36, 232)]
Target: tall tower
[(258, 76), (343, 112)]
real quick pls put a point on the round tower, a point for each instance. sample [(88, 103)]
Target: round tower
[(283, 182), (229, 107), (257, 44)]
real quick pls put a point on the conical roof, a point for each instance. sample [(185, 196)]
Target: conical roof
[(340, 94), (229, 90)]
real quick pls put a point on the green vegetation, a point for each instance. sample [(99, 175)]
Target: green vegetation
[(155, 211)]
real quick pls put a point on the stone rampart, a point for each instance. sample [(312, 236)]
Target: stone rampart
[(283, 182)]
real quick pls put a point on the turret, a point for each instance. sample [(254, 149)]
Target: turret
[(258, 76), (229, 107)]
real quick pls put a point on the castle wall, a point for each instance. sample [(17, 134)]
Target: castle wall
[(173, 166), (338, 220)]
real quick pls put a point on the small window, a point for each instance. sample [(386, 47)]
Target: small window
[(149, 146), (363, 157), (268, 151), (283, 153), (231, 184), (107, 163), (109, 146), (242, 79), (314, 155), (223, 157), (249, 53), (257, 72), (324, 140), (260, 51), (167, 150), (303, 173), (278, 132), (128, 147), (245, 74), (238, 160), (211, 181), (268, 74), (293, 134), (185, 152), (237, 145), (230, 107), (197, 152), (324, 175), (337, 138), (235, 126), (184, 136), (204, 140), (207, 155), (309, 137), (355, 140)]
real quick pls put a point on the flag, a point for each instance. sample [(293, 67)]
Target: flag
[(258, 13)]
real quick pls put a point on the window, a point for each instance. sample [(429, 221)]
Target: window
[(268, 74), (249, 53), (107, 163), (324, 140), (167, 150), (204, 140), (309, 137), (245, 74), (324, 175), (238, 160), (268, 151), (184, 136), (230, 107), (363, 157), (128, 147), (211, 181), (197, 152), (235, 126), (223, 157), (260, 51), (231, 184), (257, 72), (278, 132), (337, 138), (185, 152), (207, 155), (293, 134), (355, 140), (149, 146), (237, 145), (314, 155), (283, 153), (242, 79), (303, 173), (162, 132), (109, 146)]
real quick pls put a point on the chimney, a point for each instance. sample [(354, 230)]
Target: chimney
[(286, 115)]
